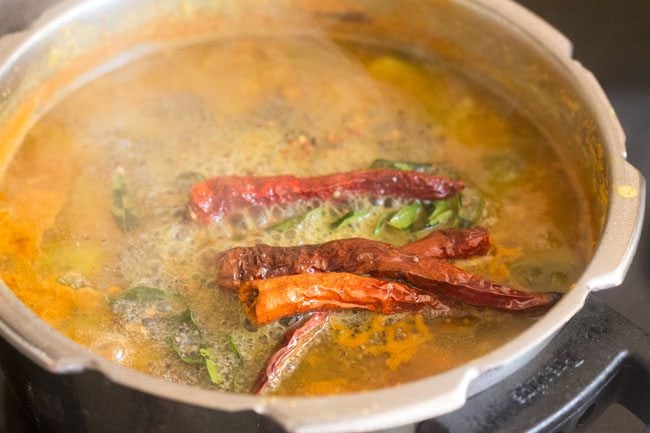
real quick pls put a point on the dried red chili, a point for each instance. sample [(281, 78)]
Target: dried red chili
[(439, 276), (274, 298), (241, 264), (451, 244), (211, 199), (294, 341), (363, 256)]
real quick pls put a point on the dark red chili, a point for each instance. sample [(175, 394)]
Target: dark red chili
[(417, 263), (242, 264)]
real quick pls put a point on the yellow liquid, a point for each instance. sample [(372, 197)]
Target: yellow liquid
[(267, 107)]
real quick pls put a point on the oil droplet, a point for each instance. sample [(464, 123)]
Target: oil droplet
[(627, 191)]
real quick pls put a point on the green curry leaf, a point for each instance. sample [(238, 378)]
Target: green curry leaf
[(122, 206), (188, 178), (349, 218), (421, 167), (295, 221), (400, 165), (191, 347), (146, 294), (186, 338), (230, 343), (209, 358)]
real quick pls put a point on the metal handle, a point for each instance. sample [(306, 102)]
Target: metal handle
[(623, 229), (600, 358)]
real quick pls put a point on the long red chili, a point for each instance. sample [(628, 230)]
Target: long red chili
[(241, 264), (439, 276), (211, 199), (362, 256), (274, 298), (293, 343), (451, 244)]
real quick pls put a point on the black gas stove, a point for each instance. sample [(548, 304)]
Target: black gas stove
[(594, 376)]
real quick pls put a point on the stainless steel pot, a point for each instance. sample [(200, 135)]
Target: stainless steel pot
[(496, 41)]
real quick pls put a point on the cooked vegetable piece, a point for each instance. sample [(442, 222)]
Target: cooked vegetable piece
[(462, 210), (293, 343), (406, 216), (443, 215), (210, 200), (381, 223), (73, 279), (122, 206), (471, 207), (273, 298), (241, 264), (504, 169)]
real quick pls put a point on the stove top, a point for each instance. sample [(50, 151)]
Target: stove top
[(617, 54)]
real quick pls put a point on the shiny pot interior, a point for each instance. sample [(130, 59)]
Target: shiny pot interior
[(495, 42)]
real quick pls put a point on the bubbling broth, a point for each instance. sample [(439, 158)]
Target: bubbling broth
[(96, 238)]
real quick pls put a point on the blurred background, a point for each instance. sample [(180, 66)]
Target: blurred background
[(612, 39)]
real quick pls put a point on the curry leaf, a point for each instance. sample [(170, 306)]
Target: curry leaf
[(121, 206), (146, 294), (348, 218), (186, 338), (406, 216), (295, 221), (188, 178), (190, 346), (213, 371), (421, 167), (233, 349), (400, 165), (288, 224)]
